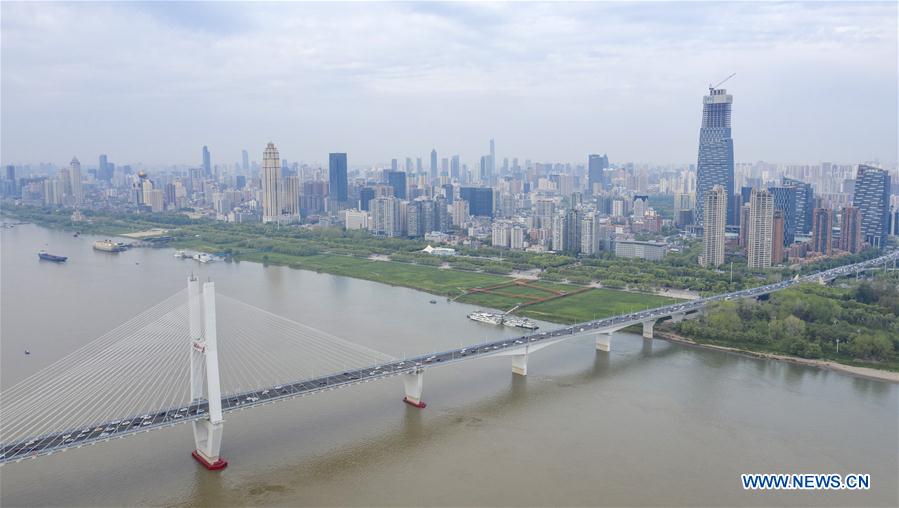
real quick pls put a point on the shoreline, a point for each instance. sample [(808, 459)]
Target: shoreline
[(864, 372)]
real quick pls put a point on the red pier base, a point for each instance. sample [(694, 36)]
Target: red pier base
[(419, 405), (212, 466)]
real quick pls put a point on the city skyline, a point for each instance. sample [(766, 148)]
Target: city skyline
[(516, 88)]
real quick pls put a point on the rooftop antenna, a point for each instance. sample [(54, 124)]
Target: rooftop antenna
[(712, 87)]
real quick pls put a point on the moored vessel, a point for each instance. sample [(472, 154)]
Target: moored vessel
[(46, 256), (108, 246), (486, 317)]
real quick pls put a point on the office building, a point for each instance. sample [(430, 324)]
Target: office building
[(822, 230), (480, 200), (245, 161), (356, 219), (778, 231), (715, 207), (596, 173), (397, 180), (872, 198), (337, 178), (366, 194), (433, 167), (715, 164), (761, 229), (104, 171), (851, 238), (271, 184), (207, 162), (652, 251), (454, 167), (805, 204), (785, 201)]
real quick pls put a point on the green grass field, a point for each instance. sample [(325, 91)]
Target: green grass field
[(426, 278), (593, 304)]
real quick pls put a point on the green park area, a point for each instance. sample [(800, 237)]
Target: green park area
[(855, 322)]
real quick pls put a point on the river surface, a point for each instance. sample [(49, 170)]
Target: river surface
[(649, 424)]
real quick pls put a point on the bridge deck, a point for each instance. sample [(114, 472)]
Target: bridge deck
[(114, 429)]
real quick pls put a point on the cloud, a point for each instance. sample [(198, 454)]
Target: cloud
[(154, 81)]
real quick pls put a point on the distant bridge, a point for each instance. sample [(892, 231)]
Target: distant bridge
[(106, 389)]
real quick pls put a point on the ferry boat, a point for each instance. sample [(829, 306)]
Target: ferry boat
[(108, 246), (502, 319), (180, 254), (520, 322), (204, 258), (46, 256), (486, 317)]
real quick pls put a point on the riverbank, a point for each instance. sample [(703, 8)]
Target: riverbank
[(580, 303), (865, 372)]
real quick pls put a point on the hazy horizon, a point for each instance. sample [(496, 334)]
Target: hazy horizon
[(154, 82)]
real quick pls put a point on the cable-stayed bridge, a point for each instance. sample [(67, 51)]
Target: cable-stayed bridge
[(165, 367)]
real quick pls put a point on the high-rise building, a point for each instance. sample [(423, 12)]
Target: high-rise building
[(596, 172), (104, 172), (851, 229), (394, 165), (460, 212), (433, 167), (713, 229), (805, 204), (454, 167), (271, 184), (785, 201), (492, 165), (245, 161), (290, 201), (715, 165), (337, 178), (397, 180), (207, 162), (778, 231), (385, 216), (744, 225), (872, 197), (366, 194), (480, 200), (590, 234), (74, 183), (822, 230), (761, 229)]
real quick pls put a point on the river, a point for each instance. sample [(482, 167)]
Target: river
[(649, 424)]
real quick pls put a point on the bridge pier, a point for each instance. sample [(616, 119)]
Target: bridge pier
[(604, 342), (204, 352), (414, 382), (520, 364), (208, 439), (647, 328)]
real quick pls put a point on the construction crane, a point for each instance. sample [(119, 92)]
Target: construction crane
[(712, 87)]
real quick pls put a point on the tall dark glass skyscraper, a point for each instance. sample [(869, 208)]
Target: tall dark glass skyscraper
[(805, 204), (785, 200), (596, 171), (397, 180), (715, 165), (337, 181), (872, 197)]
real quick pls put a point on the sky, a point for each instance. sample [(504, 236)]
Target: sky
[(153, 82)]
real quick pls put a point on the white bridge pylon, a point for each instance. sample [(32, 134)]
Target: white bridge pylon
[(204, 373)]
